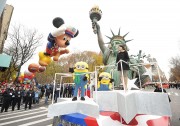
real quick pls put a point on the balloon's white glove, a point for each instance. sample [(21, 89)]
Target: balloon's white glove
[(61, 49)]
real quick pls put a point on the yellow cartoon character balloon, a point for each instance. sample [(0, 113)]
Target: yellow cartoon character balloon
[(105, 82)]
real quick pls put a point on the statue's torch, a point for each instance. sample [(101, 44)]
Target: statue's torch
[(95, 15)]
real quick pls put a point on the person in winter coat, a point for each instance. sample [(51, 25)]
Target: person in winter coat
[(37, 93), (18, 96), (48, 92), (123, 55), (29, 98), (6, 100)]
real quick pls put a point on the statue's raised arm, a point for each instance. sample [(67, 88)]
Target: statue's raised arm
[(100, 38), (95, 15)]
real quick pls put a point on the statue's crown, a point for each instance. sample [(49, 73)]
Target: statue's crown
[(118, 37)]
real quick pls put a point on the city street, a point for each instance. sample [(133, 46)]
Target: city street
[(175, 106), (37, 116)]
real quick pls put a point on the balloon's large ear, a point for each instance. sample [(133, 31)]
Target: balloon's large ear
[(57, 22), (76, 33)]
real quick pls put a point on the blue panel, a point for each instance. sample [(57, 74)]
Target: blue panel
[(2, 5), (5, 60), (75, 118)]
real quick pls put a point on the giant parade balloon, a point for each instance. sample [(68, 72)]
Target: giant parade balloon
[(58, 40), (33, 67)]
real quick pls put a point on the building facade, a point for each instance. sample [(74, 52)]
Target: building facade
[(6, 14)]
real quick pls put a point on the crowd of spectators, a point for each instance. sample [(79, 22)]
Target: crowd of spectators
[(15, 95)]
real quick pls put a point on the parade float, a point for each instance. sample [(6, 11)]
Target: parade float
[(107, 106), (111, 107)]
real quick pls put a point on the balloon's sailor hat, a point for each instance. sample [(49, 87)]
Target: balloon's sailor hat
[(63, 29), (71, 31)]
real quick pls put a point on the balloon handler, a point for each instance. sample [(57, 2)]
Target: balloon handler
[(58, 40), (105, 82), (80, 78)]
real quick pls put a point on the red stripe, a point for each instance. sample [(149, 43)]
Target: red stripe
[(90, 121)]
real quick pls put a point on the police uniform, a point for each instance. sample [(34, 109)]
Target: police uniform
[(18, 94), (29, 98), (6, 100), (13, 99)]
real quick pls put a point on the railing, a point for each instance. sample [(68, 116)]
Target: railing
[(142, 64), (64, 75), (136, 64), (96, 73)]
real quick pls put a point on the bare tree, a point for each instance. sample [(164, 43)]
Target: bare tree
[(175, 68), (22, 43), (66, 62)]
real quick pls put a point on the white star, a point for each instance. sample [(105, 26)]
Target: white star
[(131, 84), (148, 72)]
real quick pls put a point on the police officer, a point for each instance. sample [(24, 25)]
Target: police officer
[(23, 94), (13, 99), (29, 98), (18, 96), (6, 100)]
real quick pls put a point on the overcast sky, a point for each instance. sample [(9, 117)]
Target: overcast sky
[(154, 25)]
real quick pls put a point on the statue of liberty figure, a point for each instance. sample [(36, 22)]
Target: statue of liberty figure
[(110, 49), (110, 52)]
